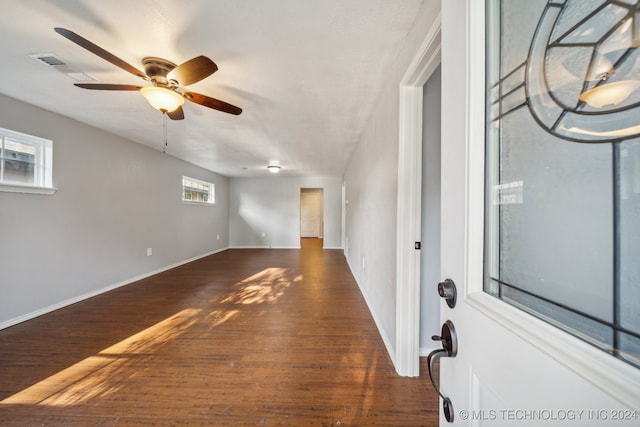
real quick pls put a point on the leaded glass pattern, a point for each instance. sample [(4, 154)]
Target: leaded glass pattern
[(562, 207)]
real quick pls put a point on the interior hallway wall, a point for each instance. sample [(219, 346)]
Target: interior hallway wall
[(115, 199), (265, 212), (371, 180), (430, 221)]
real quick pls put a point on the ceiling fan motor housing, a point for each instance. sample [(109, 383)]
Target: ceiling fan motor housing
[(157, 69)]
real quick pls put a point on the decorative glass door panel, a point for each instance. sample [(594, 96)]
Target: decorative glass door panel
[(562, 199)]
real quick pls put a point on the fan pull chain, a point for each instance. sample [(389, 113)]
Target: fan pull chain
[(164, 130)]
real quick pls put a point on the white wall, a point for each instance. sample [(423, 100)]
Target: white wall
[(430, 221), (271, 206), (371, 181), (115, 199)]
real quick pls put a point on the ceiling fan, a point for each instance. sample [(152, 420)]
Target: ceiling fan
[(167, 93)]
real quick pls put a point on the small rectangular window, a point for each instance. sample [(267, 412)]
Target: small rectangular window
[(25, 161), (196, 191)]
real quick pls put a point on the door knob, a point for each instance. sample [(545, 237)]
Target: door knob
[(449, 341), (447, 290)]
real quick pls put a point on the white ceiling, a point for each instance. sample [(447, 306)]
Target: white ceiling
[(306, 73)]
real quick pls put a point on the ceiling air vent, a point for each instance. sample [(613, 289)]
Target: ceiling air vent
[(55, 62), (49, 59)]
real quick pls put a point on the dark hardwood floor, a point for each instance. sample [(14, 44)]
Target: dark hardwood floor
[(311, 243), (243, 337)]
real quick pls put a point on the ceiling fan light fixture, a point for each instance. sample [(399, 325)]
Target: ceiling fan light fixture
[(163, 99)]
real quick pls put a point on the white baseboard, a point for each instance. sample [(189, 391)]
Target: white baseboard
[(59, 305), (385, 339), (279, 247), (264, 247)]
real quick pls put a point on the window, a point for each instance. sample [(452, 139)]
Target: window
[(562, 199), (196, 191), (25, 162)]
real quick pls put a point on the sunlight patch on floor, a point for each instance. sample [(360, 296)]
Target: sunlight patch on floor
[(106, 372), (98, 376), (218, 317), (264, 287)]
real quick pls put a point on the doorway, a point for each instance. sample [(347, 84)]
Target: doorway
[(427, 59), (311, 217), (430, 213)]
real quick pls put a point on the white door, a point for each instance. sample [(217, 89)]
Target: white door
[(511, 368), (310, 213)]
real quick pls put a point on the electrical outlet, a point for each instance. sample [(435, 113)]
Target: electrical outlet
[(264, 234), (149, 251), (217, 237)]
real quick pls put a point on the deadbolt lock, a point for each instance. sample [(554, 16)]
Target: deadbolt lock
[(447, 290)]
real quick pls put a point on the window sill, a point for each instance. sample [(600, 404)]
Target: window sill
[(28, 189), (187, 202)]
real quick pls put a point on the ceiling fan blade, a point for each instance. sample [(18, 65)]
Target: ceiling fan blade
[(216, 104), (101, 86), (193, 70), (177, 114), (97, 50)]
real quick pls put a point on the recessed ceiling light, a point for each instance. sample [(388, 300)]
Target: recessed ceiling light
[(274, 166)]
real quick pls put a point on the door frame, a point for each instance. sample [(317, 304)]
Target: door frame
[(408, 227)]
